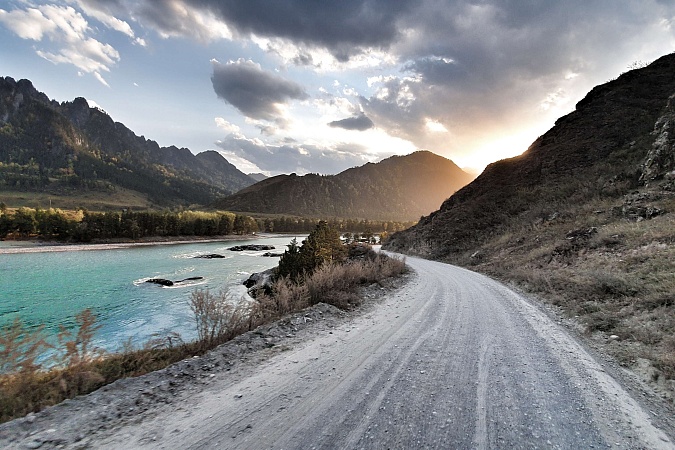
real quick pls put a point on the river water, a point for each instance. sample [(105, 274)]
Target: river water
[(50, 288)]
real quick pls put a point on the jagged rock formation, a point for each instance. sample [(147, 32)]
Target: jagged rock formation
[(660, 160), (46, 145), (397, 188)]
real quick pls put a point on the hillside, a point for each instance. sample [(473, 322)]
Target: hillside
[(584, 218), (397, 188), (70, 148), (258, 176)]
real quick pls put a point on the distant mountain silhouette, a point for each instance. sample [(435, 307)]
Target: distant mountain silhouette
[(397, 188), (601, 152), (51, 146)]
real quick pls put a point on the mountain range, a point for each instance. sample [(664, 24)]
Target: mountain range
[(71, 149), (397, 188), (63, 148)]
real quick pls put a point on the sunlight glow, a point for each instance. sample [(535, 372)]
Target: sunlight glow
[(435, 126), (496, 149)]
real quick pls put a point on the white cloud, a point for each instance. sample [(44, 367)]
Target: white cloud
[(554, 99), (350, 92), (68, 31), (227, 126), (101, 79), (28, 24), (254, 155), (98, 12), (333, 107)]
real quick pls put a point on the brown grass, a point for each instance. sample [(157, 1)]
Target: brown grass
[(332, 283), (25, 387), (619, 280), (218, 318), (79, 368)]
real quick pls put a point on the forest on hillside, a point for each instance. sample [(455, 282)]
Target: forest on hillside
[(85, 226)]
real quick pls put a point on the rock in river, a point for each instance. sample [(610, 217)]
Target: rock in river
[(260, 279), (210, 256), (252, 247), (163, 282), (189, 279), (160, 281)]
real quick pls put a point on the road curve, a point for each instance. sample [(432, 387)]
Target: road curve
[(451, 360)]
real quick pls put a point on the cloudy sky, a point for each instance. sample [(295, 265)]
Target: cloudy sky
[(302, 86)]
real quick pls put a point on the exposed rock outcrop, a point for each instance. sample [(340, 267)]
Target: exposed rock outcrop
[(165, 282), (252, 248), (661, 158)]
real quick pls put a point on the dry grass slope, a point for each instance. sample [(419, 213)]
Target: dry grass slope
[(616, 275)]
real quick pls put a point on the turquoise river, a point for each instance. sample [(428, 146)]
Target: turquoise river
[(51, 287)]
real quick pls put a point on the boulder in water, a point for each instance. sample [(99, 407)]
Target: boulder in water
[(160, 281), (251, 247), (260, 279), (189, 279)]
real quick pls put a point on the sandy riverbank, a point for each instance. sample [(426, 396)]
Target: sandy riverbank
[(15, 247)]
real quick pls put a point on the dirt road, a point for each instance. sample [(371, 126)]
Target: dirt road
[(451, 360)]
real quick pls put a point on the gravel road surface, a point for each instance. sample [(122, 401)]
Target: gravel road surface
[(450, 360)]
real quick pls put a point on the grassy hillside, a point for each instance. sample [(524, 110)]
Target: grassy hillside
[(585, 218)]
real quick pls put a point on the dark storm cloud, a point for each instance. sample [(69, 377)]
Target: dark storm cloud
[(345, 27), (290, 157), (360, 123), (254, 92)]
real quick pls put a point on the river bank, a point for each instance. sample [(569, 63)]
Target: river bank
[(39, 246)]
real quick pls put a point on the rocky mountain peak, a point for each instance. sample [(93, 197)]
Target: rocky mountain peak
[(78, 111)]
